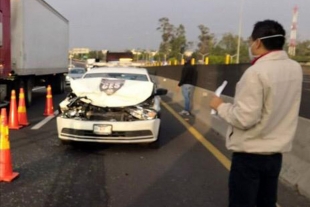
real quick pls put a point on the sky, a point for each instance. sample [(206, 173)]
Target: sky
[(117, 25)]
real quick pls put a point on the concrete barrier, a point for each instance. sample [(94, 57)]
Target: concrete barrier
[(296, 164)]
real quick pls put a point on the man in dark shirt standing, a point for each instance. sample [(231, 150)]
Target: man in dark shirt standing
[(187, 83)]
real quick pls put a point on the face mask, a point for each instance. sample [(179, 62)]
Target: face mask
[(251, 56), (271, 36)]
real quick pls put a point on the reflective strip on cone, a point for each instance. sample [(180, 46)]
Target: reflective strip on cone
[(4, 140)]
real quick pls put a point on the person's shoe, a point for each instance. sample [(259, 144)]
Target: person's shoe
[(183, 112)]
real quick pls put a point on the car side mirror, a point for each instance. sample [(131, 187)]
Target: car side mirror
[(161, 91)]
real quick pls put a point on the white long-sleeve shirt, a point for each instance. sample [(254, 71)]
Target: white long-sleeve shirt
[(264, 115)]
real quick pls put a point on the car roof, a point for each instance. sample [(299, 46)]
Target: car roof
[(118, 70)]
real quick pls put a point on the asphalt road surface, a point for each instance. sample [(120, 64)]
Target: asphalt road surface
[(183, 172)]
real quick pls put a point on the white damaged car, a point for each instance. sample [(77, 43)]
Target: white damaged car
[(111, 105)]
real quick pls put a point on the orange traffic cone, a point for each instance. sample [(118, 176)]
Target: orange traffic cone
[(6, 172), (13, 119), (22, 114), (49, 109)]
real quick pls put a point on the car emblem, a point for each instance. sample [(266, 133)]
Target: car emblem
[(110, 86)]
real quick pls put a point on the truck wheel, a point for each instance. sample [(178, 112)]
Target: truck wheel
[(28, 92), (62, 83), (58, 84)]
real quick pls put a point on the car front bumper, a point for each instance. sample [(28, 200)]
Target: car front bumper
[(143, 131)]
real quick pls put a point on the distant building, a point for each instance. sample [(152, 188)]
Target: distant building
[(117, 56), (76, 51)]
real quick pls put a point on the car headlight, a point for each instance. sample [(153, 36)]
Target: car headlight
[(63, 105), (143, 114), (68, 78)]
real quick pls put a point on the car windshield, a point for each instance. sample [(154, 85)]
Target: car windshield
[(123, 76), (77, 71)]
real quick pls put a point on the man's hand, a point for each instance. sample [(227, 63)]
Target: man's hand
[(215, 102)]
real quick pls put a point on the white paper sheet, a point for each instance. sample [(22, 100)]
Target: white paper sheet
[(218, 93)]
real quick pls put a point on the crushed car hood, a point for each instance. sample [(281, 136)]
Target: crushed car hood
[(107, 92)]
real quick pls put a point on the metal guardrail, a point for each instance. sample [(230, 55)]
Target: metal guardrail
[(211, 76)]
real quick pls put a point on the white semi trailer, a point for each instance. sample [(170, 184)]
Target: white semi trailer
[(34, 42)]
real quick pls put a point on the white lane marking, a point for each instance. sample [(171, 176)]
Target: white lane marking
[(44, 121), (38, 88)]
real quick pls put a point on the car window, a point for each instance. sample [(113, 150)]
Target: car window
[(122, 76), (77, 71)]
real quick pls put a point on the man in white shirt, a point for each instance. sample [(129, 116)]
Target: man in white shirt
[(263, 118)]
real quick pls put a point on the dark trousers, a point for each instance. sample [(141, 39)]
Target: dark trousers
[(253, 180)]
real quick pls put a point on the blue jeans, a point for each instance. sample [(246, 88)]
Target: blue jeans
[(253, 180), (187, 90)]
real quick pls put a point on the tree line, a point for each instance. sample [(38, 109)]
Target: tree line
[(174, 43)]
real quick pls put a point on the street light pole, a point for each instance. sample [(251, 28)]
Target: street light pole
[(70, 58), (231, 58), (153, 53), (104, 52), (239, 32), (182, 57), (203, 56)]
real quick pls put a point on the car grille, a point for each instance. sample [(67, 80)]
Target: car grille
[(90, 133), (109, 116)]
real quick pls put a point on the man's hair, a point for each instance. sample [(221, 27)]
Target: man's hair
[(268, 28)]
